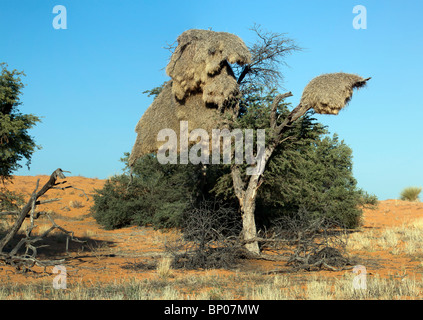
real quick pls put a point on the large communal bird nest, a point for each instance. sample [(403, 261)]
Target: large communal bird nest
[(200, 63), (166, 113), (202, 85), (329, 93)]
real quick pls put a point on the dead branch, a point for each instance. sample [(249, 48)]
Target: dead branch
[(9, 213), (275, 105), (46, 201), (29, 258), (68, 187), (316, 243), (268, 54)]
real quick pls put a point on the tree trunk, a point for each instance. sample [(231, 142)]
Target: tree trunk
[(246, 192), (249, 229), (247, 195), (247, 202)]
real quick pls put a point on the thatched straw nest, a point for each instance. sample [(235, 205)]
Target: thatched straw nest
[(202, 84), (329, 93), (166, 112), (200, 63)]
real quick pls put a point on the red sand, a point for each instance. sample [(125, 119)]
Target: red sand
[(111, 250)]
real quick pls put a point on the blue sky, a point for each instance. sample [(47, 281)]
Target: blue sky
[(86, 82)]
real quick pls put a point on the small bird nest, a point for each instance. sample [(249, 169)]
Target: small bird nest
[(329, 93)]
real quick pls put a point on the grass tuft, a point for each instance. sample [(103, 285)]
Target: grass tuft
[(410, 194)]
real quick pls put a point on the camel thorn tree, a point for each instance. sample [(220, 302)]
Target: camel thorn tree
[(213, 74), (246, 190)]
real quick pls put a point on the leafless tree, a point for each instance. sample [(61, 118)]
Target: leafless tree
[(210, 238), (315, 243), (26, 260)]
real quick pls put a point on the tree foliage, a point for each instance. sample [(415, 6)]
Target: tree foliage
[(9, 200), (155, 195), (15, 142), (310, 171)]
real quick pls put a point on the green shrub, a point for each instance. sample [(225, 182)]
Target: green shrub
[(410, 194), (310, 171), (317, 178), (9, 200), (15, 142), (157, 195)]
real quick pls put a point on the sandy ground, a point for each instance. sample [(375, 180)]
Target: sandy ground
[(110, 255)]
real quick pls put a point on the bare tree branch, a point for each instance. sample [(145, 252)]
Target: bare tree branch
[(29, 258), (58, 173), (268, 55), (275, 105)]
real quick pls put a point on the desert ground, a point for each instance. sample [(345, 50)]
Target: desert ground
[(131, 263)]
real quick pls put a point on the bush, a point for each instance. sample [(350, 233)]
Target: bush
[(210, 238), (317, 178), (410, 194), (15, 142), (313, 174), (9, 200), (309, 171), (314, 242), (157, 195)]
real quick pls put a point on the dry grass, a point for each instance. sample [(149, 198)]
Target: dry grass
[(5, 223), (411, 194), (392, 255), (405, 239), (389, 239), (362, 241), (319, 288), (411, 237), (209, 286), (90, 233), (164, 269), (75, 204)]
